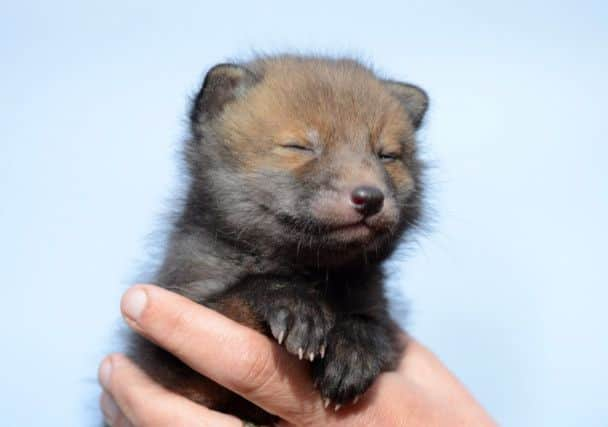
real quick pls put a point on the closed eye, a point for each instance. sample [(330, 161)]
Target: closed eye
[(389, 157), (297, 147)]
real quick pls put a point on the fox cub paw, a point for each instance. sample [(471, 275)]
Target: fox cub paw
[(300, 323), (350, 366)]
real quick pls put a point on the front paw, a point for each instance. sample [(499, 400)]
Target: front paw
[(355, 357), (301, 323), (345, 374)]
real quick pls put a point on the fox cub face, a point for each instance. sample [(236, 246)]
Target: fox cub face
[(315, 155)]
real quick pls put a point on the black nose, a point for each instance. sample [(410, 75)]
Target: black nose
[(367, 200)]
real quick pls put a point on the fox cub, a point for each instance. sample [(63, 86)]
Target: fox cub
[(303, 178)]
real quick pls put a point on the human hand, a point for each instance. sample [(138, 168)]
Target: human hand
[(421, 392)]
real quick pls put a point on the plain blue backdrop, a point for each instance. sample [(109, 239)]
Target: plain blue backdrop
[(509, 287)]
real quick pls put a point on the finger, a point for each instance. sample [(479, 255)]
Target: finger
[(388, 402), (420, 367), (228, 353), (143, 403), (112, 413)]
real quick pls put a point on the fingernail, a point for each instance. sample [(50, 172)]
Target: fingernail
[(109, 408), (133, 303), (105, 371)]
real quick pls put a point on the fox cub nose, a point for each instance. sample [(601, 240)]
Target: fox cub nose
[(367, 200)]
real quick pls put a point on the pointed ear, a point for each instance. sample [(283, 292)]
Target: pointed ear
[(223, 83), (414, 100)]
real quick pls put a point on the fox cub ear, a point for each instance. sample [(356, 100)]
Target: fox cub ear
[(223, 83), (414, 99)]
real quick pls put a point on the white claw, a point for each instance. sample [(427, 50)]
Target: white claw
[(356, 399), (326, 402), (281, 337), (300, 353), (322, 351), (311, 356), (338, 406)]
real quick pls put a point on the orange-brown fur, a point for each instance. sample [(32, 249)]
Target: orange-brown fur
[(270, 114)]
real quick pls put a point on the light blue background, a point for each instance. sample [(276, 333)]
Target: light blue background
[(509, 287)]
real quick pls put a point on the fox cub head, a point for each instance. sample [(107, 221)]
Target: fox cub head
[(311, 156)]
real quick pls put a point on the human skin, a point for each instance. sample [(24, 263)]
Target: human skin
[(420, 392)]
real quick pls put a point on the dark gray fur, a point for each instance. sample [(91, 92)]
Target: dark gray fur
[(248, 235)]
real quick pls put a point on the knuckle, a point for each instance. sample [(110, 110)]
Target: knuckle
[(177, 331), (150, 422), (143, 412), (121, 421), (259, 370)]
